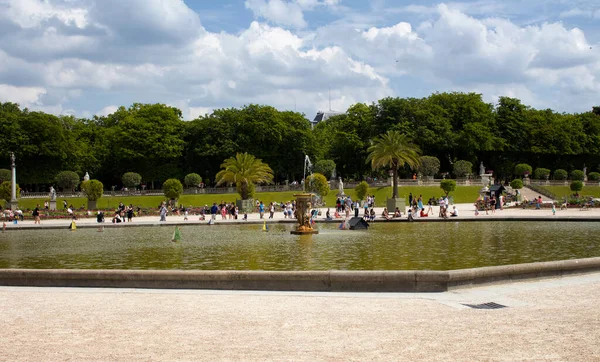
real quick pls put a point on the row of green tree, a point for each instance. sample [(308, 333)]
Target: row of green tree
[(154, 141)]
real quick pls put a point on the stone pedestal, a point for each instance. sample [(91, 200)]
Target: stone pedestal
[(14, 205), (399, 203), (486, 179), (52, 205)]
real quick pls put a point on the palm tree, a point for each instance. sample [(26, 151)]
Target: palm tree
[(393, 149), (244, 170)]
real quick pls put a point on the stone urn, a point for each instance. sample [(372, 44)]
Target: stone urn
[(303, 206)]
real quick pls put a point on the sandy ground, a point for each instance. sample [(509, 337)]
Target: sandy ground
[(466, 211), (552, 319)]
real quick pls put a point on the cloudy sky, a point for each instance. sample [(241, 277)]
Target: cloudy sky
[(87, 57)]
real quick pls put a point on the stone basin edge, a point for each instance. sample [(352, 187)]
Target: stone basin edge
[(409, 281)]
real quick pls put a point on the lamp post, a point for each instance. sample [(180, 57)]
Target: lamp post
[(13, 196)]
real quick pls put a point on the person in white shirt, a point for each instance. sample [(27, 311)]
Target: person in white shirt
[(454, 211)]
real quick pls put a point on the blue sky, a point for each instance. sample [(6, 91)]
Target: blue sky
[(88, 57)]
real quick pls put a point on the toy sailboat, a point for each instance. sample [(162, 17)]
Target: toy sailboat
[(176, 234), (265, 227)]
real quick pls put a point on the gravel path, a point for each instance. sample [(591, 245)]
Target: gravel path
[(552, 319)]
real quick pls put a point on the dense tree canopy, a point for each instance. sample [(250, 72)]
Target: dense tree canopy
[(156, 142)]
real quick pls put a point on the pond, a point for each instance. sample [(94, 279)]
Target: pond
[(385, 246)]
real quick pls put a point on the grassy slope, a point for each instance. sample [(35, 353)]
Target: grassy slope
[(462, 194), (565, 191)]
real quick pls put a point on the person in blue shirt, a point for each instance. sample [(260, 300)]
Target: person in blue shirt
[(213, 211), (261, 209)]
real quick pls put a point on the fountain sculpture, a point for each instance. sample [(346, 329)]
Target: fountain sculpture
[(303, 206)]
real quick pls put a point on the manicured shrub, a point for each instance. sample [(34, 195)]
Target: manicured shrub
[(67, 180), (576, 186), (131, 179), (324, 167), (6, 191), (462, 168), (577, 175), (522, 169), (317, 183), (560, 174), (428, 165), (172, 188), (93, 189), (362, 189), (192, 180), (541, 173), (5, 175), (594, 176), (448, 186), (516, 184)]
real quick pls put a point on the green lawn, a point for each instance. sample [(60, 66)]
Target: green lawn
[(463, 194), (565, 191)]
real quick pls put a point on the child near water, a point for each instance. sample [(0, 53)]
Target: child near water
[(553, 209)]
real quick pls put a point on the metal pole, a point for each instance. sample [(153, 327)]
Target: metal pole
[(304, 178)]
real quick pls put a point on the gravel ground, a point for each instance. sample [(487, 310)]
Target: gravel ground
[(551, 319)]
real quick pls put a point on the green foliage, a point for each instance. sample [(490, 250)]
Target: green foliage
[(192, 180), (560, 174), (428, 165), (5, 175), (131, 179), (317, 183), (6, 191), (577, 175), (594, 176), (67, 180), (244, 169), (576, 186), (361, 190), (393, 150), (462, 168), (516, 184), (324, 167), (541, 173), (93, 189), (250, 190), (172, 188), (522, 169), (448, 186)]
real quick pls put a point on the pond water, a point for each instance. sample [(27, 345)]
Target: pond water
[(385, 246)]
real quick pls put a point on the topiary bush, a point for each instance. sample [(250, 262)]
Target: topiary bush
[(462, 168), (594, 176), (67, 180), (6, 191), (448, 186), (131, 179), (576, 186), (172, 188), (541, 173), (317, 183), (5, 175), (324, 167), (577, 175), (522, 169), (428, 165), (192, 180), (93, 189), (516, 184), (362, 189), (560, 174)]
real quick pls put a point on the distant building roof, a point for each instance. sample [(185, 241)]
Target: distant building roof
[(323, 116)]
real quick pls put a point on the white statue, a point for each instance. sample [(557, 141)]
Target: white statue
[(52, 193), (86, 177), (340, 187), (481, 168)]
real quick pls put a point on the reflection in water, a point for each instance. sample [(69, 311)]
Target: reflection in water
[(385, 246)]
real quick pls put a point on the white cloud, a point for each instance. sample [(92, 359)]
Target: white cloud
[(278, 11), (107, 110), (25, 96)]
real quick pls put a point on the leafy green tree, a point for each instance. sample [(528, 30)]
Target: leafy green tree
[(172, 188), (428, 165), (576, 186), (361, 190), (577, 175), (5, 175), (462, 168), (317, 183), (522, 169), (93, 189), (560, 174), (516, 184), (594, 176), (131, 179), (67, 180), (324, 167), (541, 173), (250, 191), (393, 150), (448, 186), (242, 170), (192, 180), (6, 191)]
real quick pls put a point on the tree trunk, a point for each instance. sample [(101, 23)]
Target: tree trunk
[(395, 183)]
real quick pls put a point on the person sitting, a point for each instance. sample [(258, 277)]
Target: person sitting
[(336, 214), (423, 213), (454, 212), (385, 214), (397, 213), (328, 215), (245, 216), (116, 219), (372, 215), (100, 216)]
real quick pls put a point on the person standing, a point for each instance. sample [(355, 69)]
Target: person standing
[(271, 210), (213, 211), (410, 199), (261, 209), (36, 215), (130, 213), (163, 212), (356, 208), (420, 202)]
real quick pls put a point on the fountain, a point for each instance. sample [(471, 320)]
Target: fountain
[(303, 205)]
